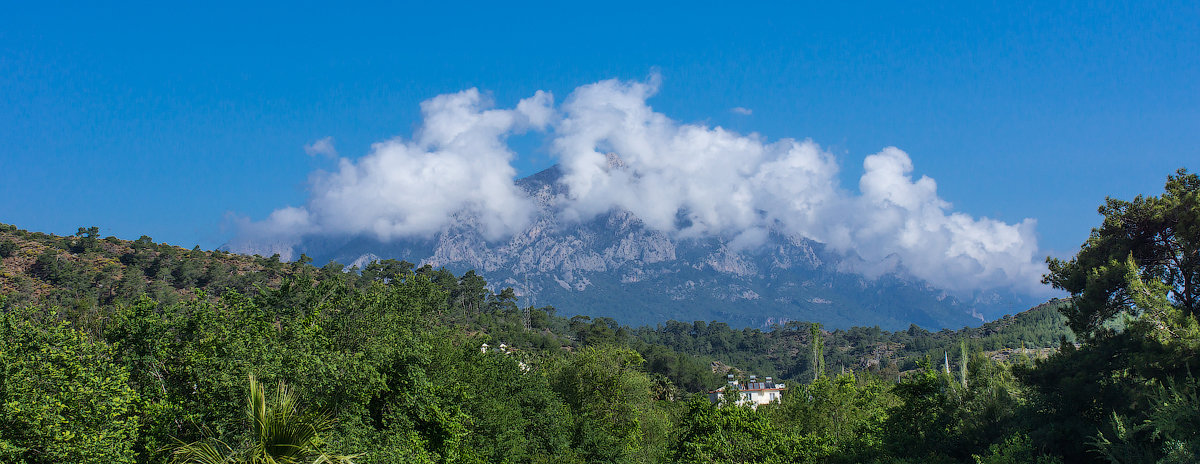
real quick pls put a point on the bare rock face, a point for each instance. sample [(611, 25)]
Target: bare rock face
[(554, 250), (613, 265)]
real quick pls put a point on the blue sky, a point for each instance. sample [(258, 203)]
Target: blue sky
[(167, 120)]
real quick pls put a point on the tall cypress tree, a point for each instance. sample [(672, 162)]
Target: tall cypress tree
[(817, 343)]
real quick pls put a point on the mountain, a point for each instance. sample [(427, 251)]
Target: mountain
[(614, 266)]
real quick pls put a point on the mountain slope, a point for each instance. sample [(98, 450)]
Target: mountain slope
[(613, 265)]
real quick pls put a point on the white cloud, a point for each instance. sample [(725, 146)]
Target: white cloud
[(742, 110), (724, 183), (899, 221), (457, 161), (323, 147), (283, 229), (688, 179), (738, 186)]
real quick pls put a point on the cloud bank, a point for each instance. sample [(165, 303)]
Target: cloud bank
[(456, 162), (688, 179)]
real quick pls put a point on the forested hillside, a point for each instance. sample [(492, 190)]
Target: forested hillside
[(84, 273), (117, 351)]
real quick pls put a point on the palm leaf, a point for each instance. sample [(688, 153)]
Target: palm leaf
[(280, 433)]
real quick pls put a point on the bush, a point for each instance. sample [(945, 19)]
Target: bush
[(62, 397), (7, 248)]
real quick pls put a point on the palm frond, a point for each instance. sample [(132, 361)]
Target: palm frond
[(202, 453), (280, 433)]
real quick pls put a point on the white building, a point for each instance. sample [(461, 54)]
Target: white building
[(752, 392)]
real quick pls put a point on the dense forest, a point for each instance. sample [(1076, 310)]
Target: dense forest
[(135, 351)]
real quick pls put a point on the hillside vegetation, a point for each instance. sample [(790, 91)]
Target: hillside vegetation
[(117, 351), (82, 273)]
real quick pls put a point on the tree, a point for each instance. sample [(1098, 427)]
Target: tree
[(962, 363), (610, 399), (922, 424), (817, 344), (7, 248), (85, 239), (844, 413), (62, 396), (470, 293), (1146, 253), (385, 271), (728, 434), (1143, 265)]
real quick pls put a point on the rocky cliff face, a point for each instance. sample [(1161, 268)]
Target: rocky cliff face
[(614, 266)]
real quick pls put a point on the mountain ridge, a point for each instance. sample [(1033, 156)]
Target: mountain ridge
[(580, 267)]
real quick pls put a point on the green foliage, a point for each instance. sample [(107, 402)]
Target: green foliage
[(516, 417), (846, 414), (159, 340), (1175, 419), (610, 398), (922, 424), (729, 434), (384, 271), (85, 240), (1135, 285), (817, 342), (7, 248), (280, 433), (62, 396), (787, 351), (1015, 449), (1169, 434), (1146, 250)]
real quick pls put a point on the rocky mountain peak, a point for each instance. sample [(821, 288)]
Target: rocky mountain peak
[(613, 265)]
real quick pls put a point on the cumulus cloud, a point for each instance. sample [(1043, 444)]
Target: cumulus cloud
[(690, 180), (323, 147), (900, 221), (456, 162), (742, 111), (686, 178), (695, 180)]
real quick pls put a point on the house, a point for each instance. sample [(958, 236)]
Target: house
[(505, 350), (752, 392)]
